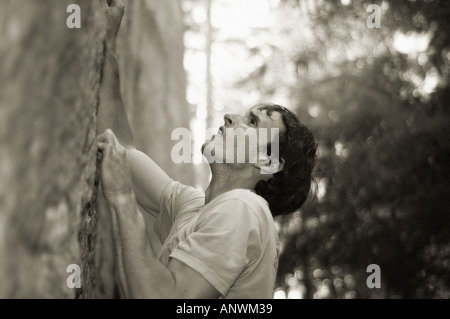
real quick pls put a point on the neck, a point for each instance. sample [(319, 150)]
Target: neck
[(224, 180)]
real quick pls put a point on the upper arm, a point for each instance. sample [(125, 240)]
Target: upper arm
[(149, 180), (222, 245), (190, 284)]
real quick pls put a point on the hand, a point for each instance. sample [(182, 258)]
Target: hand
[(115, 10), (115, 174)]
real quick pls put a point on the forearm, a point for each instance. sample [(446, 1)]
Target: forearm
[(111, 111), (119, 258), (145, 275)]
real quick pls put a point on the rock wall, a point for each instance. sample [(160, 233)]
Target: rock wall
[(150, 52), (50, 217)]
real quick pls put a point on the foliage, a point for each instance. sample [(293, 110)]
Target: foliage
[(384, 139), (376, 100)]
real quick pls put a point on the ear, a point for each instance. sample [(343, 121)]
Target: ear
[(269, 167), (280, 165), (276, 165)]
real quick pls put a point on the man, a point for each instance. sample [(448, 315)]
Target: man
[(217, 244)]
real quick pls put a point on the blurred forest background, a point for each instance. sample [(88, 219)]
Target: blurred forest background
[(376, 99)]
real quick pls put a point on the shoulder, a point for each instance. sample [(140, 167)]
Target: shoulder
[(240, 208), (177, 187), (245, 201), (179, 200), (182, 193)]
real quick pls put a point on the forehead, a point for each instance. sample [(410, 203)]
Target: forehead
[(272, 120)]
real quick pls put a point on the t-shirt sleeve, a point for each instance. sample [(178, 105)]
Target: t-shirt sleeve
[(223, 244), (176, 199)]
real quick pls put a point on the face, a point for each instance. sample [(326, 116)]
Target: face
[(243, 136)]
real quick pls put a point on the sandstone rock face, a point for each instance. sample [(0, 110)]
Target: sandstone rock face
[(50, 217)]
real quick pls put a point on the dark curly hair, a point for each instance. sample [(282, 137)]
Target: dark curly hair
[(288, 189)]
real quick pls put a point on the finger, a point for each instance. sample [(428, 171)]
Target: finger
[(102, 139), (111, 137), (107, 137), (103, 134), (102, 146), (105, 148)]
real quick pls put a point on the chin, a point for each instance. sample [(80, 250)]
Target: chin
[(215, 153), (203, 146)]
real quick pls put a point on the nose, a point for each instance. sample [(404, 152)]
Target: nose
[(230, 119)]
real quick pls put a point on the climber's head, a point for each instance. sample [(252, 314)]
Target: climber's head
[(276, 156)]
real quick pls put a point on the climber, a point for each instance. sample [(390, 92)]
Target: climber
[(219, 244)]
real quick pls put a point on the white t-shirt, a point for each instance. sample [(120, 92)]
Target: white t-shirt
[(232, 241)]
